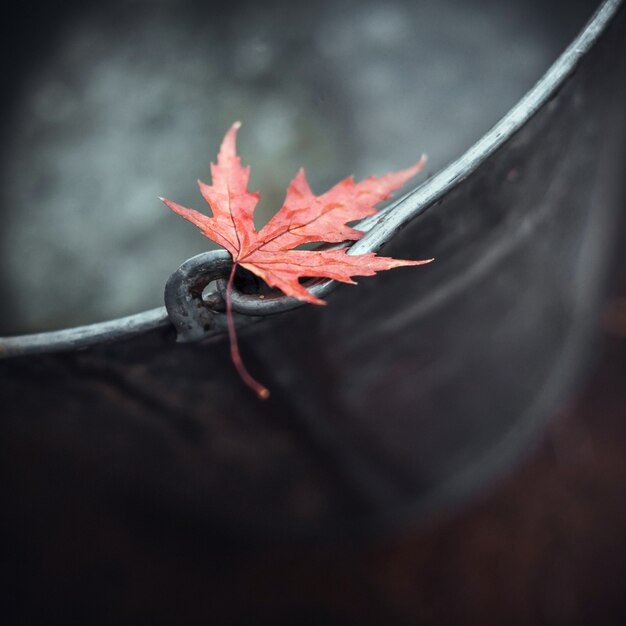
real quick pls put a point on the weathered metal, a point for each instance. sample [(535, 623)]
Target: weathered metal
[(401, 396)]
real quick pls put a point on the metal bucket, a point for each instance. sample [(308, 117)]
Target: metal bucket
[(402, 397)]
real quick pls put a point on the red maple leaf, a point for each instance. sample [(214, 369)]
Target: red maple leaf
[(303, 218)]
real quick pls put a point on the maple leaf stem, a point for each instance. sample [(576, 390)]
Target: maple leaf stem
[(261, 391), (272, 253)]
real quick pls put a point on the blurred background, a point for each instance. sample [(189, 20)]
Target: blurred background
[(108, 105)]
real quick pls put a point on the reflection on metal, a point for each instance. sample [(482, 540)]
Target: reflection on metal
[(195, 318)]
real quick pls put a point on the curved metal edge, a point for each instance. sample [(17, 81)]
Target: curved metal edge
[(189, 314), (379, 228), (417, 201), (196, 317), (263, 305), (84, 336)]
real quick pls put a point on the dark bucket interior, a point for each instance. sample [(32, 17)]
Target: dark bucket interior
[(406, 393)]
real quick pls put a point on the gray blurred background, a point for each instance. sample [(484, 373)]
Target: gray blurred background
[(110, 105)]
